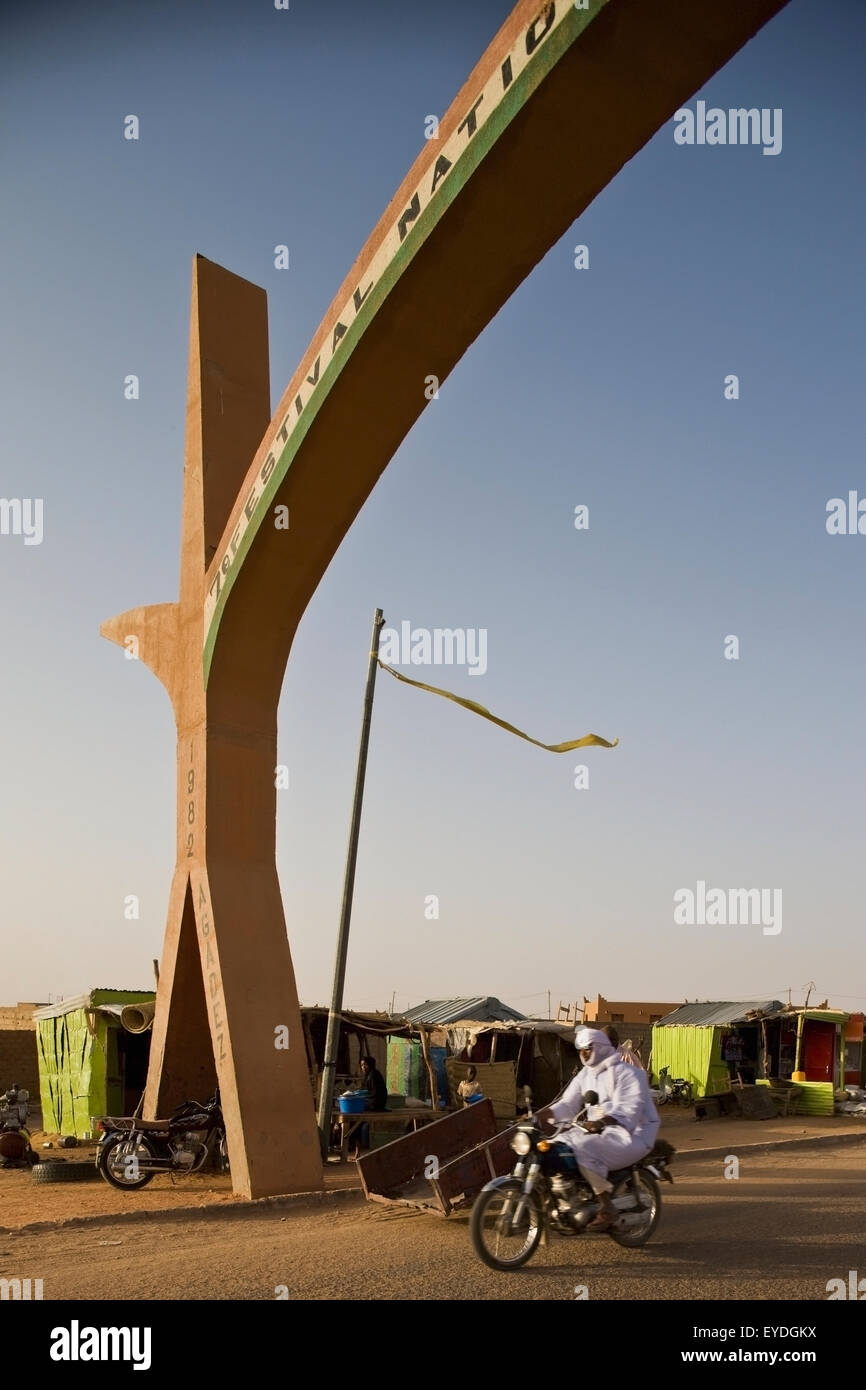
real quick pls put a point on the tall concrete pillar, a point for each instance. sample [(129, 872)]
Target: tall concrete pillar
[(227, 1003)]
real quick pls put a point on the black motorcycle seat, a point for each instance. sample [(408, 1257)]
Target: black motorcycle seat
[(662, 1151)]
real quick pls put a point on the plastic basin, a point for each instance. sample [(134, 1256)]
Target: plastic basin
[(353, 1105)]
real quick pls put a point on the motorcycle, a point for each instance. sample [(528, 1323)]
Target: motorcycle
[(673, 1088), (546, 1192), (131, 1151), (15, 1147)]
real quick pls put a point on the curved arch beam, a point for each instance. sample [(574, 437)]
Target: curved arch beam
[(559, 102)]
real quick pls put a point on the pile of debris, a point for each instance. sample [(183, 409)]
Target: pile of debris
[(854, 1102)]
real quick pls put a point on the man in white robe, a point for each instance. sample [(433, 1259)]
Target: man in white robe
[(624, 1120)]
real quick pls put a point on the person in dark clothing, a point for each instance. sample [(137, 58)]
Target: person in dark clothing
[(372, 1081)]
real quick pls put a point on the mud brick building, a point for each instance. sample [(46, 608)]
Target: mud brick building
[(18, 1056)]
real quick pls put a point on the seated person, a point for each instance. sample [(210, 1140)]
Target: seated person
[(373, 1082), (469, 1087)]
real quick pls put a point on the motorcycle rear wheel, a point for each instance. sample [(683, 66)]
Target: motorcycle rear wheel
[(491, 1227), (119, 1157), (651, 1203)]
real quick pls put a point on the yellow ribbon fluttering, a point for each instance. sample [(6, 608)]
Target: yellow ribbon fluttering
[(588, 740)]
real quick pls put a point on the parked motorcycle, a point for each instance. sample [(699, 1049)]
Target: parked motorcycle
[(673, 1088), (132, 1151), (546, 1192), (15, 1147)]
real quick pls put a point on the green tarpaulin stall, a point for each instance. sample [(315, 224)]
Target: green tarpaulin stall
[(88, 1064)]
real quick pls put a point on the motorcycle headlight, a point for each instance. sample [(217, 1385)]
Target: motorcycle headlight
[(521, 1143)]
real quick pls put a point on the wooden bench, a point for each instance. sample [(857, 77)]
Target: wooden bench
[(411, 1114)]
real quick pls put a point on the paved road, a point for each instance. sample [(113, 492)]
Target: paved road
[(786, 1226)]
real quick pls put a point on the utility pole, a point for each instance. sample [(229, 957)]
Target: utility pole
[(548, 1003), (326, 1096)]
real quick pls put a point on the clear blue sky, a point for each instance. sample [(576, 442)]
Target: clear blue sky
[(602, 387)]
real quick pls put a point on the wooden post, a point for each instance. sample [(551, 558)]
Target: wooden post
[(425, 1052), (311, 1053), (523, 1037), (797, 1074), (329, 1065)]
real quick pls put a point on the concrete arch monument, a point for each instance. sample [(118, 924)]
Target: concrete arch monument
[(563, 97)]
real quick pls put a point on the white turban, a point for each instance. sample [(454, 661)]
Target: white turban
[(601, 1045)]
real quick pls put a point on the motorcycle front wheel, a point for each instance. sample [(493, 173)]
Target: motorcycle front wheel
[(500, 1238), (636, 1224), (119, 1162)]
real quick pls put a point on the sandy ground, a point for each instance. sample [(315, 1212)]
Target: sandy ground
[(688, 1135), (787, 1225), (23, 1202)]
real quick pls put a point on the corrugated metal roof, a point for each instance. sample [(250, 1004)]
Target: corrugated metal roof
[(714, 1013), (480, 1009), (524, 1025), (85, 1001)]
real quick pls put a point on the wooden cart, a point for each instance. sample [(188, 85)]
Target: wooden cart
[(443, 1166)]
